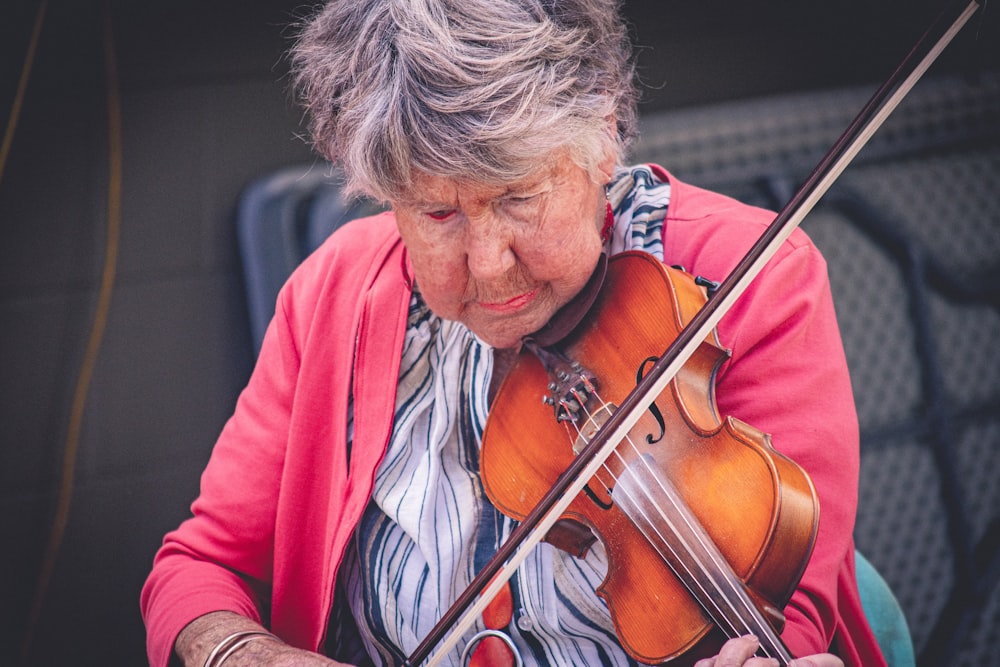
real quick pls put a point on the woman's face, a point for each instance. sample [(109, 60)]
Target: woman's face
[(503, 260)]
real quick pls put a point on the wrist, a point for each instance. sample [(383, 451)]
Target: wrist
[(197, 642), (232, 643)]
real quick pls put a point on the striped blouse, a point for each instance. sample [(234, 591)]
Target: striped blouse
[(429, 527)]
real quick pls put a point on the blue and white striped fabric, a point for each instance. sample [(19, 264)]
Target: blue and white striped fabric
[(429, 527)]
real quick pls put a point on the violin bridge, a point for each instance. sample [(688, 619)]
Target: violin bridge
[(594, 422)]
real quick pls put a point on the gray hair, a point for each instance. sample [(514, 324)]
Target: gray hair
[(465, 89)]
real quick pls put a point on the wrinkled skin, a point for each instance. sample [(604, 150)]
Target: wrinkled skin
[(503, 259)]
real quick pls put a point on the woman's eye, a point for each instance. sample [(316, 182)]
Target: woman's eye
[(521, 199), (440, 215)]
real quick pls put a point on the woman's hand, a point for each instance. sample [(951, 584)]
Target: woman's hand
[(196, 641), (739, 652)]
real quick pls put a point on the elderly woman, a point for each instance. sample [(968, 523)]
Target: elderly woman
[(342, 510)]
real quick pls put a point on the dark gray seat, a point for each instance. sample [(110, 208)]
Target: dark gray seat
[(281, 218)]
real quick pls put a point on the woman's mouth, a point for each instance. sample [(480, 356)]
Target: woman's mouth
[(511, 305)]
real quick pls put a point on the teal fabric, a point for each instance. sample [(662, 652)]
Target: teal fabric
[(884, 615)]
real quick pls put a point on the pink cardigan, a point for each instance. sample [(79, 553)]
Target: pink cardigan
[(278, 504)]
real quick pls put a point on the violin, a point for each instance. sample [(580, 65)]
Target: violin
[(598, 463), (687, 500)]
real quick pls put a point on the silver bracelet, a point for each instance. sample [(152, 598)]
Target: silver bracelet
[(231, 644)]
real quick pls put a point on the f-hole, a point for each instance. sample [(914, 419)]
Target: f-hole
[(653, 409), (597, 501)]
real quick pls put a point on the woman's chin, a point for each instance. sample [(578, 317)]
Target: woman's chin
[(505, 329), (503, 335), (500, 341)]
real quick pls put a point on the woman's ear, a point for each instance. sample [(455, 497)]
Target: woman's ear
[(606, 166)]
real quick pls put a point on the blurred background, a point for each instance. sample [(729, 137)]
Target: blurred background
[(205, 110)]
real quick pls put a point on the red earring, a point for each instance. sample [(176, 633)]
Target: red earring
[(609, 223)]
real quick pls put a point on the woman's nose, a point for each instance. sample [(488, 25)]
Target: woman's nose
[(489, 249)]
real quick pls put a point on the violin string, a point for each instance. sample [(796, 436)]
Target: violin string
[(719, 616), (744, 606), (737, 625)]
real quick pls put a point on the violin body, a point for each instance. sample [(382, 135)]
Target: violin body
[(758, 507)]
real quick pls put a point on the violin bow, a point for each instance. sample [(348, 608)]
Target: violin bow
[(469, 606)]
